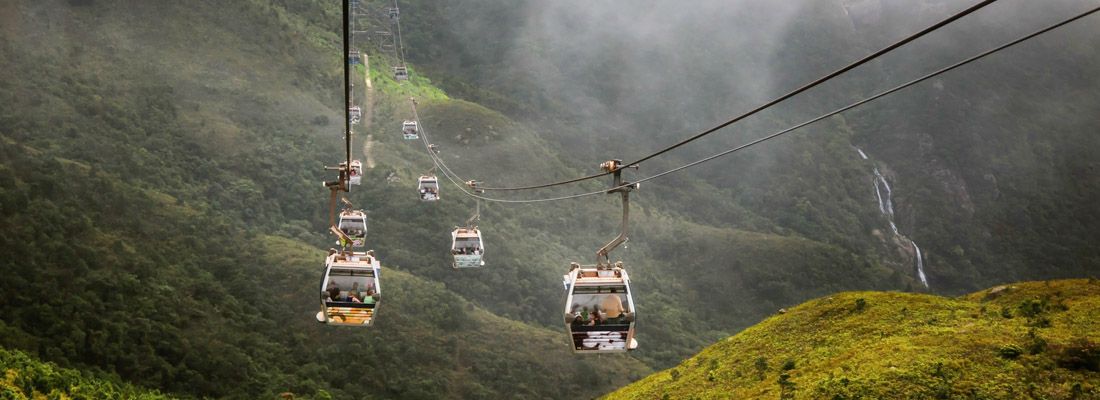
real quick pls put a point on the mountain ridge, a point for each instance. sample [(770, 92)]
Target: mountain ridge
[(1028, 339)]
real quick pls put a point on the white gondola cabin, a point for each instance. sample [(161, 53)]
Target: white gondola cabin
[(410, 130), (351, 289), (355, 113), (400, 73), (599, 310), (428, 187), (355, 173), (354, 224), (467, 248), (393, 12)]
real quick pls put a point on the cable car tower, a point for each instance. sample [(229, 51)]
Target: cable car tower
[(350, 289), (599, 305)]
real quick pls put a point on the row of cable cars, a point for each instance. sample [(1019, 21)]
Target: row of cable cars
[(599, 307)]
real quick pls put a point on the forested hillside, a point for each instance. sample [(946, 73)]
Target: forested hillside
[(26, 378), (165, 226)]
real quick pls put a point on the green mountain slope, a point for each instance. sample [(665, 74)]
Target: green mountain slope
[(1027, 340), (160, 169), (27, 378), (164, 222)]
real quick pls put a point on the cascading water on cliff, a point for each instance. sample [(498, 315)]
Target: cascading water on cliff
[(886, 206), (920, 265), (889, 209)]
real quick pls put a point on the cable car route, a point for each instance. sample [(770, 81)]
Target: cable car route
[(784, 131), (599, 311), (769, 104)]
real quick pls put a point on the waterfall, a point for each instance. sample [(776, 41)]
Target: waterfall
[(886, 207), (878, 194), (889, 209), (920, 265)]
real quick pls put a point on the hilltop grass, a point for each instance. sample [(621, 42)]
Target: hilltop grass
[(1030, 340), (418, 86)]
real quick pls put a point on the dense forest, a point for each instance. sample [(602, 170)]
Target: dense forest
[(165, 226)]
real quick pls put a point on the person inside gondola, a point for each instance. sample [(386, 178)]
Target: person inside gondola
[(577, 320), (613, 307), (353, 292), (333, 291), (597, 318), (369, 298)]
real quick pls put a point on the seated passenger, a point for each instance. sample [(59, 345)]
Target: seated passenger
[(612, 305), (577, 321), (353, 292), (333, 291), (597, 319), (369, 298)]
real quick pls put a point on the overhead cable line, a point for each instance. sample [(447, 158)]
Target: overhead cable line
[(400, 43), (879, 95), (769, 104), (819, 118), (460, 183)]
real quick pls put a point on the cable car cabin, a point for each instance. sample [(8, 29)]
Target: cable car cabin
[(428, 187), (410, 130), (467, 248), (354, 224), (401, 73), (353, 57), (599, 310), (355, 113), (393, 12), (350, 289), (355, 173)]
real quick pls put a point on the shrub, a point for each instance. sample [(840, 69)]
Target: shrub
[(1010, 351), (1081, 354)]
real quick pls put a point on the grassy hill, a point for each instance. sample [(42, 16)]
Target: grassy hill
[(1026, 340)]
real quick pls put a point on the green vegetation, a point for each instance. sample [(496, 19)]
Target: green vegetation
[(880, 345), (27, 378), (164, 222)]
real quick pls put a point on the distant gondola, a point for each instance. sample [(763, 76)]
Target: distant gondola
[(467, 248), (355, 174), (428, 187), (410, 130), (355, 113), (354, 224)]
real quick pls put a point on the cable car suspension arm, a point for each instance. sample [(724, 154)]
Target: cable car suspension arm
[(624, 189)]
